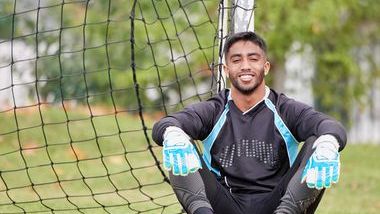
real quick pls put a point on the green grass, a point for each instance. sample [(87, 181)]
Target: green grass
[(100, 164), (358, 191), (75, 163)]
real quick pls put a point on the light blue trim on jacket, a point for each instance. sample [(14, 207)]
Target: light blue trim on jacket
[(290, 141), (209, 141)]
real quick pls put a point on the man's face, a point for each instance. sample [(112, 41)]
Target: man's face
[(246, 66)]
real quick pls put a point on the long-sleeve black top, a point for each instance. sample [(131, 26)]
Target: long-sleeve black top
[(249, 150)]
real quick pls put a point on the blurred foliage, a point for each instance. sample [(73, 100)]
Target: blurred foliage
[(84, 47), (337, 31)]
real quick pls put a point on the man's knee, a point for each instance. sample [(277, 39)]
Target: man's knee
[(190, 191), (297, 197), (296, 204)]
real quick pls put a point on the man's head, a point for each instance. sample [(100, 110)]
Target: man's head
[(246, 62), (244, 36)]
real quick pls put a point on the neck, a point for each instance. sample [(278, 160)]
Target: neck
[(246, 101)]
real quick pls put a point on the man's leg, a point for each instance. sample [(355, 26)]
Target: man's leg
[(290, 196), (190, 192), (298, 198), (200, 192)]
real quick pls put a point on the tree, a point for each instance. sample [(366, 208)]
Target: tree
[(84, 47), (336, 30)]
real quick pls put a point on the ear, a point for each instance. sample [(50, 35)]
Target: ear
[(266, 67), (226, 70)]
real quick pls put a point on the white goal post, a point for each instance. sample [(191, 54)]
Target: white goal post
[(241, 12)]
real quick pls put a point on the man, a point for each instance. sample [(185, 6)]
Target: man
[(250, 135)]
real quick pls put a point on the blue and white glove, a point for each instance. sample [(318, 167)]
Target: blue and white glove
[(322, 169), (179, 154)]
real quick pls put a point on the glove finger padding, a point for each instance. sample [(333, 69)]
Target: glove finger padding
[(323, 167), (179, 154), (310, 177), (193, 162), (328, 176), (167, 159), (183, 164), (320, 177), (336, 172)]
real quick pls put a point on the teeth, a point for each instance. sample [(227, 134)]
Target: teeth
[(246, 77)]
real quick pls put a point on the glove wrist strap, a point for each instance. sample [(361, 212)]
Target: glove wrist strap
[(173, 129), (327, 141)]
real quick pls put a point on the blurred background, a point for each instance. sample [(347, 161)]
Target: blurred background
[(82, 83)]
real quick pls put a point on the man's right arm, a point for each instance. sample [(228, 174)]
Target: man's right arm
[(195, 120), (176, 132), (160, 127)]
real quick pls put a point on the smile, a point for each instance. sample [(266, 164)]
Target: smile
[(246, 77)]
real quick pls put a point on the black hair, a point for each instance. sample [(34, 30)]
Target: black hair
[(244, 36)]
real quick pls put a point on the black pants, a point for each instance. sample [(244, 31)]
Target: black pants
[(223, 201)]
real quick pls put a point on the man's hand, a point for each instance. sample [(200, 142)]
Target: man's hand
[(322, 169), (179, 154)]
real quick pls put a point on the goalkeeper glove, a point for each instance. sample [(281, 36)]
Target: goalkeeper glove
[(322, 168), (179, 154)]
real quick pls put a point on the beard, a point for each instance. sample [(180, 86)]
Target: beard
[(250, 88)]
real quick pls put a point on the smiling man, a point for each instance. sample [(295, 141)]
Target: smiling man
[(250, 133)]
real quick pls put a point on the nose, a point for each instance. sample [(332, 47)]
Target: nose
[(245, 65)]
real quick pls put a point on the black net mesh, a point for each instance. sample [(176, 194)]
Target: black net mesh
[(81, 84)]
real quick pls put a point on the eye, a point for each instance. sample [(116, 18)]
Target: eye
[(235, 59), (254, 58)]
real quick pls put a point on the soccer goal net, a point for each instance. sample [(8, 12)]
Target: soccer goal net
[(81, 85)]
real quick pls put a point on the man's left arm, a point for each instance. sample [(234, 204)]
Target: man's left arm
[(323, 167), (304, 122)]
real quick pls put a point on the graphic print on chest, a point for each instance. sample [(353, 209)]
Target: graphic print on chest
[(249, 149)]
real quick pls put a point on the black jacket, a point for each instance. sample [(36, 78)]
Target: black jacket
[(249, 150)]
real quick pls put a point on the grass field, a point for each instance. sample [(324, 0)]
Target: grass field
[(52, 162), (358, 191)]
